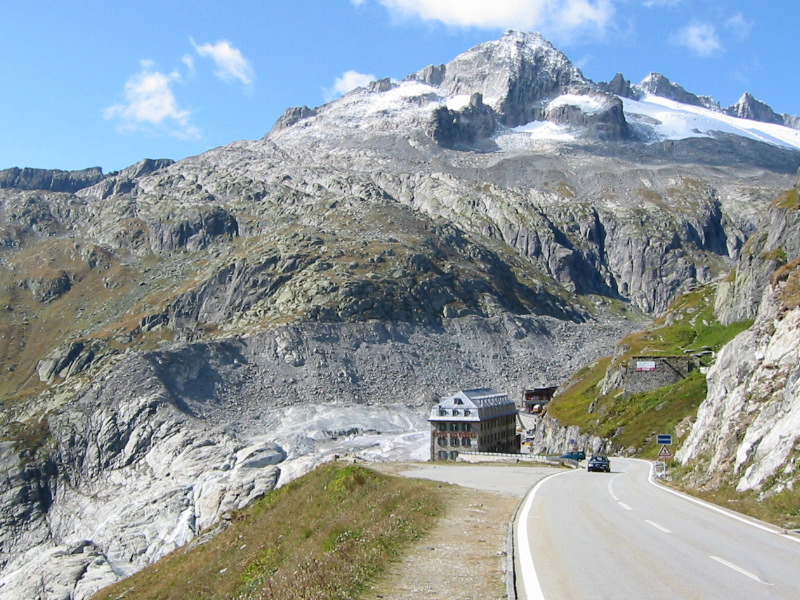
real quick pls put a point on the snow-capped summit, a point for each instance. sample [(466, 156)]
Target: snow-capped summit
[(658, 85), (514, 75), (515, 92)]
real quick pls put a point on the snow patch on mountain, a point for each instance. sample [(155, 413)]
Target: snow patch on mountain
[(532, 135), (590, 105), (665, 119)]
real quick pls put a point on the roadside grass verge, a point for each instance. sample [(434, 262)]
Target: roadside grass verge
[(781, 508), (325, 535)]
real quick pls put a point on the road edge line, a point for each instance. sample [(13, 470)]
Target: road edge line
[(530, 582), (747, 520)]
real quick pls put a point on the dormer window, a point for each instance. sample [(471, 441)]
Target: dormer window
[(458, 401), (455, 412)]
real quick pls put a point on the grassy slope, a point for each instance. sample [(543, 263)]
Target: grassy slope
[(631, 421), (325, 535)]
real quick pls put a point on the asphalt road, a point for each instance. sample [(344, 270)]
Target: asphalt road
[(591, 536)]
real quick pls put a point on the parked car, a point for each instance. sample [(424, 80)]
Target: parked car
[(599, 463), (576, 455)]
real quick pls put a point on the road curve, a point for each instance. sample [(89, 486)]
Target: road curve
[(620, 536)]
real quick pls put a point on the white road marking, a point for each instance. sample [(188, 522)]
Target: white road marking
[(611, 488), (530, 582), (614, 495), (739, 569), (718, 509), (657, 526)]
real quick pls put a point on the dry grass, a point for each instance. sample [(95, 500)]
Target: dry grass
[(789, 275), (324, 536)]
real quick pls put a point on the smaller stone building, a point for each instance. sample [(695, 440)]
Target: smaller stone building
[(480, 420), (647, 373), (535, 400)]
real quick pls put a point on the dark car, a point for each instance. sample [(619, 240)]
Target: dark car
[(577, 455), (599, 463)]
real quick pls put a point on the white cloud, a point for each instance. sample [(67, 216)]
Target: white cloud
[(556, 16), (151, 104), (700, 38), (349, 80), (188, 62), (739, 26), (229, 60)]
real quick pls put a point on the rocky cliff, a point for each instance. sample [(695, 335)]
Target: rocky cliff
[(180, 337), (747, 430)]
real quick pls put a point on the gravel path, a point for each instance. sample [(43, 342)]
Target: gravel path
[(465, 556)]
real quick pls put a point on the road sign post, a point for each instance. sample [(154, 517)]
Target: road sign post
[(665, 441)]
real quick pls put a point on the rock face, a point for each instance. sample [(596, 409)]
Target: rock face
[(178, 338), (749, 108), (777, 243), (163, 444), (658, 85), (748, 427), (53, 180)]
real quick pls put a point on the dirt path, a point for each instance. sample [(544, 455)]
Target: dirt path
[(465, 556)]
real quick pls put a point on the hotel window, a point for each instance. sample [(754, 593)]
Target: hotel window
[(466, 442), (442, 441)]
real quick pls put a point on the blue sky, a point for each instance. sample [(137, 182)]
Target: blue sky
[(90, 83)]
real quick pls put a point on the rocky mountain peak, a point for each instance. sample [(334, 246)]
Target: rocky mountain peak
[(619, 86), (514, 75), (749, 108), (658, 85)]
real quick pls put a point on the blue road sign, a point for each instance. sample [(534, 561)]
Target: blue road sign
[(664, 439)]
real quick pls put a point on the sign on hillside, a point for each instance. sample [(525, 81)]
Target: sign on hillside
[(664, 439), (664, 452)]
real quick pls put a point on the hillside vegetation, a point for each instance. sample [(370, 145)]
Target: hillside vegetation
[(324, 535), (631, 421)]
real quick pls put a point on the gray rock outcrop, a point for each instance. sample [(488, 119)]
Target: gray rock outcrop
[(163, 444), (53, 180), (775, 245), (748, 427), (657, 84)]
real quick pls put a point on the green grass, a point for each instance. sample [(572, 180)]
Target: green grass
[(325, 535), (688, 326), (634, 421), (631, 421), (789, 200)]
